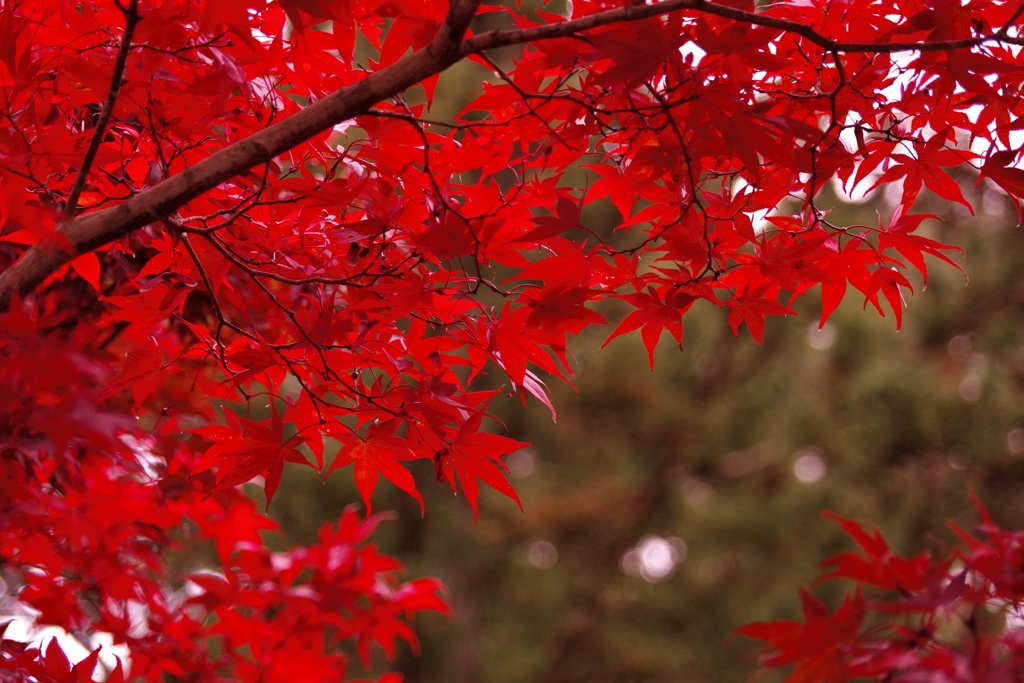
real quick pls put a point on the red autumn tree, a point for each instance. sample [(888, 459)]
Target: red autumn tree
[(233, 233)]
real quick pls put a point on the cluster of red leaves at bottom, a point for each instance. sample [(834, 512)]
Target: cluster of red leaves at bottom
[(954, 619), (99, 557), (99, 534), (91, 562), (108, 525)]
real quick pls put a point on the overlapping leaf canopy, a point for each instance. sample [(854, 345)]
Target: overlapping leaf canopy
[(247, 225), (376, 260)]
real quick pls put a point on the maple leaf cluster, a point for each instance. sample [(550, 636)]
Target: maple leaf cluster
[(233, 235), (951, 618), (92, 519)]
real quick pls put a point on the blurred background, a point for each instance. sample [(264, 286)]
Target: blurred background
[(665, 509)]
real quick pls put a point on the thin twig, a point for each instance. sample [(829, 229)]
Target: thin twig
[(573, 27), (79, 234), (131, 16)]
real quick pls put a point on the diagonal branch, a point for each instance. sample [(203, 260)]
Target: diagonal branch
[(573, 27), (90, 231)]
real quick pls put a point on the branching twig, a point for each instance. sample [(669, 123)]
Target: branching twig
[(131, 17), (92, 230), (573, 28)]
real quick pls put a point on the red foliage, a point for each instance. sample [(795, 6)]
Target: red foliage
[(231, 233), (953, 618)]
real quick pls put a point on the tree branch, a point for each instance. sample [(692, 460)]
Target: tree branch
[(840, 46), (131, 17), (93, 230), (448, 41), (573, 27)]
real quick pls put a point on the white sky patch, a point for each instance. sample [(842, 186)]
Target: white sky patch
[(757, 218), (152, 465), (903, 79), (264, 88), (1014, 618), (22, 617), (692, 50), (22, 628), (342, 128)]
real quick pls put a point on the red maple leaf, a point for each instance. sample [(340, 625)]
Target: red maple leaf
[(879, 566), (931, 156), (816, 645), (1001, 168), (379, 452), (244, 449), (654, 315), (899, 235), (752, 306), (470, 455)]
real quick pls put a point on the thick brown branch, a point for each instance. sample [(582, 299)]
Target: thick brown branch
[(449, 38), (93, 230)]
